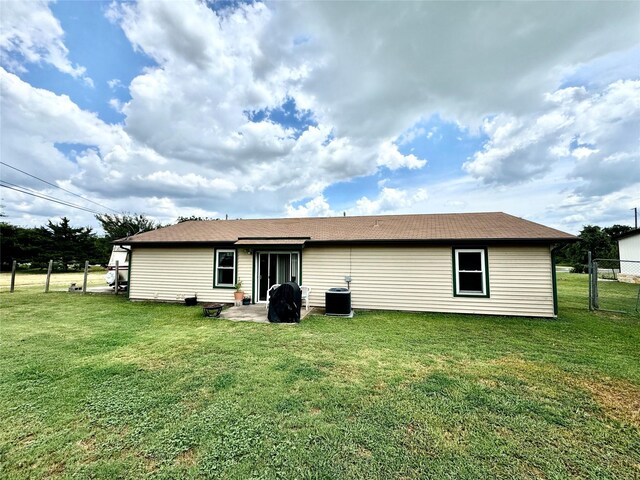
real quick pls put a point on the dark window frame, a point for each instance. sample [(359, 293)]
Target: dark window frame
[(216, 267)]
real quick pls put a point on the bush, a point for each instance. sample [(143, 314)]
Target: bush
[(579, 268)]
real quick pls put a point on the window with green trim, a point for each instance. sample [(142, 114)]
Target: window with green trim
[(225, 268), (470, 269)]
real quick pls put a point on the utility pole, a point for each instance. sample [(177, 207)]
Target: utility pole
[(635, 209)]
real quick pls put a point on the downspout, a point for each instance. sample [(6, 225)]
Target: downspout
[(554, 280), (129, 274)]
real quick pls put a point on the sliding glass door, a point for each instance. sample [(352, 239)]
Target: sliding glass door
[(276, 267)]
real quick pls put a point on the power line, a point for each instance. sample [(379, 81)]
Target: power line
[(17, 188), (33, 193), (56, 186)]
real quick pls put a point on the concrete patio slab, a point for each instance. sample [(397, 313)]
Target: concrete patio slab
[(252, 313)]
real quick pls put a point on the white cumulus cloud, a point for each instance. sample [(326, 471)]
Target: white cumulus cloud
[(598, 132), (29, 33)]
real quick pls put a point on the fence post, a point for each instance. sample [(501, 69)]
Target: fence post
[(46, 285), (117, 284), (590, 281), (596, 303), (13, 276), (86, 272)]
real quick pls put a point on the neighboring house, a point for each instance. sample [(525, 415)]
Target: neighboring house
[(629, 245), (486, 263)]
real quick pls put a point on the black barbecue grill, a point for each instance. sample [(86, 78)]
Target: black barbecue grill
[(285, 303)]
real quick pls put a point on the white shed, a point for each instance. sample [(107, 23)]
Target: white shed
[(629, 245)]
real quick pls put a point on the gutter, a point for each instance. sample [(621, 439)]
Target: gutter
[(444, 241)]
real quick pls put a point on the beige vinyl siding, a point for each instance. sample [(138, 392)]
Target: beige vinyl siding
[(385, 277), (170, 274), (245, 270), (421, 279)]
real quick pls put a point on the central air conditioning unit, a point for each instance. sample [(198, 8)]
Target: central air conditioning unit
[(337, 302)]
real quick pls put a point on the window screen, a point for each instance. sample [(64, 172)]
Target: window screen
[(225, 268), (470, 272)]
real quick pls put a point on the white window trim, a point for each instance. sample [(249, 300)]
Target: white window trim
[(218, 267), (483, 266)]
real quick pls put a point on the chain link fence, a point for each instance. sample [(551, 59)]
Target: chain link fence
[(614, 285)]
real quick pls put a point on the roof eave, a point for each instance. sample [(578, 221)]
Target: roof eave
[(630, 233), (447, 241), (432, 241)]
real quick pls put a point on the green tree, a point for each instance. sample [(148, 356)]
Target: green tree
[(68, 245), (24, 245), (103, 249), (613, 232), (9, 246), (595, 240), (601, 242), (35, 246), (125, 225)]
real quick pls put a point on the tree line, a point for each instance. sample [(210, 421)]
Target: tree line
[(600, 241), (68, 246)]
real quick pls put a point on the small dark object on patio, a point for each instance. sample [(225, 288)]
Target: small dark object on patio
[(212, 309), (246, 301), (285, 303)]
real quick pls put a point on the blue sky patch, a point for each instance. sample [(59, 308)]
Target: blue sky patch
[(342, 195), (602, 71), (286, 115), (301, 40), (575, 143), (444, 145), (72, 150), (222, 7), (99, 46)]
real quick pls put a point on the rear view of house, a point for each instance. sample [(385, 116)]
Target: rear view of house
[(484, 263)]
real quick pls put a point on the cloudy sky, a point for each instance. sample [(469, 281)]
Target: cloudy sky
[(318, 108)]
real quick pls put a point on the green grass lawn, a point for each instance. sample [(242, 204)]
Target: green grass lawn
[(97, 387), (613, 295)]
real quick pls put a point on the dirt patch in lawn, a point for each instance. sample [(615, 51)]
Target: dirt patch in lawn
[(525, 369), (27, 439), (363, 452), (88, 444), (619, 399), (186, 458), (56, 469)]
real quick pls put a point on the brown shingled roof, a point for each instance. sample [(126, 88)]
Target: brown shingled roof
[(494, 226)]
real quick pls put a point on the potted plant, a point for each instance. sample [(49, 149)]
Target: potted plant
[(238, 295)]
